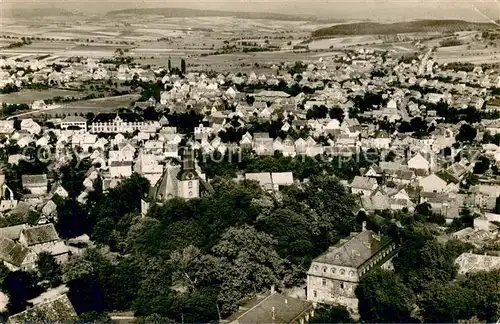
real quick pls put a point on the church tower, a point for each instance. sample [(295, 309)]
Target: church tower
[(188, 185)]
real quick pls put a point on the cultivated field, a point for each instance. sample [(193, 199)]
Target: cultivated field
[(29, 96), (153, 39), (95, 106)]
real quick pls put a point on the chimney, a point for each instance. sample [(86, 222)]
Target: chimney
[(363, 226), (273, 314), (286, 301), (272, 289)]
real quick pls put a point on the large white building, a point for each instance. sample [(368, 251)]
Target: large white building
[(117, 123), (74, 122), (334, 275)]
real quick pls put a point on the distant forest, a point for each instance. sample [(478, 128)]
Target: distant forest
[(419, 26)]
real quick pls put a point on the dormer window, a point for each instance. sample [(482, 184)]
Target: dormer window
[(342, 272), (324, 269), (337, 257), (315, 268), (334, 270)]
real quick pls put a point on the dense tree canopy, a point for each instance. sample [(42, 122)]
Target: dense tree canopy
[(196, 259), (383, 297)]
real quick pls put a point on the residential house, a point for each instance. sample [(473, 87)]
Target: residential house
[(377, 201), (433, 183), (44, 238), (49, 211), (288, 147), (301, 146), (263, 144), (59, 190), (374, 171), (263, 178), (85, 141), (363, 185), (471, 263), (123, 155), (147, 165), (418, 162), (58, 309), (31, 126), (273, 308), (381, 140), (493, 127), (280, 179), (120, 169), (25, 140), (15, 256), (6, 127), (403, 177), (35, 184)]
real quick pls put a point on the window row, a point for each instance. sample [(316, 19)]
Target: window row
[(333, 270)]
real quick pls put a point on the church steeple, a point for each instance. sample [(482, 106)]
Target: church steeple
[(189, 183), (188, 162), (188, 166)]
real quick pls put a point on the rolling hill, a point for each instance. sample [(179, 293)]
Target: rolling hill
[(418, 26), (40, 13), (183, 12)]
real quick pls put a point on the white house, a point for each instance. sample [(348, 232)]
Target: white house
[(31, 126), (120, 169), (433, 183), (418, 162), (75, 123)]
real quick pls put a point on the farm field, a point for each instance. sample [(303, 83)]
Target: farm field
[(157, 38), (246, 62), (340, 42), (466, 53), (103, 103), (29, 96), (100, 105)]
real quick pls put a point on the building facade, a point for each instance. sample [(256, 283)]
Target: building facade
[(334, 275), (117, 123), (74, 122)]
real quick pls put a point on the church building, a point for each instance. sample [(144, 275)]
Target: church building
[(184, 181)]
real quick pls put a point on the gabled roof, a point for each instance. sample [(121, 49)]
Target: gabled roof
[(263, 178), (363, 183), (40, 234), (12, 252), (59, 309), (274, 308), (353, 253), (469, 263), (74, 119), (282, 178), (12, 232), (34, 180)]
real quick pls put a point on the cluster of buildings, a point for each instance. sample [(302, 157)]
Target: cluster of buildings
[(410, 171)]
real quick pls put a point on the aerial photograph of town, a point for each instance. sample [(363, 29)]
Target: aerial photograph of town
[(250, 162)]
